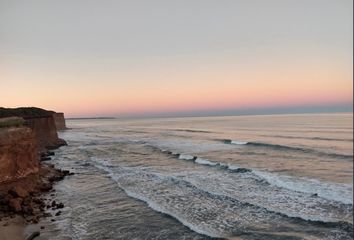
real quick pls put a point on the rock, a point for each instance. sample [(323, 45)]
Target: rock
[(35, 220), (58, 213), (4, 199), (15, 204), (47, 215), (59, 121), (18, 191), (45, 187), (66, 172), (60, 205), (54, 203), (45, 159), (42, 227), (51, 153), (28, 209), (33, 235)]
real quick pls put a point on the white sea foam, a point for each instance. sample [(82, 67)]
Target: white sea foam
[(331, 191), (205, 162), (232, 167), (186, 157), (158, 208), (238, 142)]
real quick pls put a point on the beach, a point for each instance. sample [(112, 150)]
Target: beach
[(12, 228)]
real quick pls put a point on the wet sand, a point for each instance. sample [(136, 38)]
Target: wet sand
[(12, 228)]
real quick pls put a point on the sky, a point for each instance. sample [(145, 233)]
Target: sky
[(126, 58)]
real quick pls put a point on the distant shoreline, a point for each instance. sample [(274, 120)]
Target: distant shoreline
[(87, 118)]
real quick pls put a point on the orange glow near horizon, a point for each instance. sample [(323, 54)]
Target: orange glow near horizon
[(88, 58), (172, 90)]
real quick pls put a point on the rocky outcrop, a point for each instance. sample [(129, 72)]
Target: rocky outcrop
[(59, 121), (18, 153), (23, 196), (46, 132), (26, 135)]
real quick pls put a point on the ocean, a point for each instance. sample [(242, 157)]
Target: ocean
[(232, 177)]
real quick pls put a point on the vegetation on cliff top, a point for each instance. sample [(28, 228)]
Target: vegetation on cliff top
[(24, 112), (11, 122)]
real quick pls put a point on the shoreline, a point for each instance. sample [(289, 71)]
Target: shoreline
[(13, 228), (35, 202), (27, 134)]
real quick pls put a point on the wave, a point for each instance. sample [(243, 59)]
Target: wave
[(310, 138), (159, 209), (191, 130), (186, 157), (203, 161), (279, 147), (311, 186), (159, 204), (324, 190), (105, 167), (344, 226)]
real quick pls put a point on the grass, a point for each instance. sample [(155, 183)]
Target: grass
[(11, 122), (25, 112)]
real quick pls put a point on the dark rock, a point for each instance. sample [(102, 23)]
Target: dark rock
[(47, 214), (60, 205), (33, 235), (15, 204), (45, 159), (18, 192), (65, 172), (54, 203), (27, 209), (58, 213), (35, 220), (45, 187)]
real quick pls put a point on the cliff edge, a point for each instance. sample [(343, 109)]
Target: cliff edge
[(59, 120), (42, 122)]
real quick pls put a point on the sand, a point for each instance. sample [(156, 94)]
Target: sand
[(12, 228)]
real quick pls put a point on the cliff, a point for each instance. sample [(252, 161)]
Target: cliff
[(45, 131), (18, 153), (59, 121), (42, 122), (24, 133)]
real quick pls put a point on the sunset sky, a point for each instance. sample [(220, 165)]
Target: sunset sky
[(119, 58)]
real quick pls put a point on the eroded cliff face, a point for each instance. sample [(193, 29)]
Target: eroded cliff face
[(18, 153), (45, 132), (25, 134), (59, 121)]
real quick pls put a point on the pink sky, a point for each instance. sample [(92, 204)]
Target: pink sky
[(169, 58)]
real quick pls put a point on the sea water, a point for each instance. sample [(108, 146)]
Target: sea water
[(234, 177)]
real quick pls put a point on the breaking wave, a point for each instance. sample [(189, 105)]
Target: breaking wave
[(278, 147)]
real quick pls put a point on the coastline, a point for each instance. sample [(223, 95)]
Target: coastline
[(26, 137), (34, 206)]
